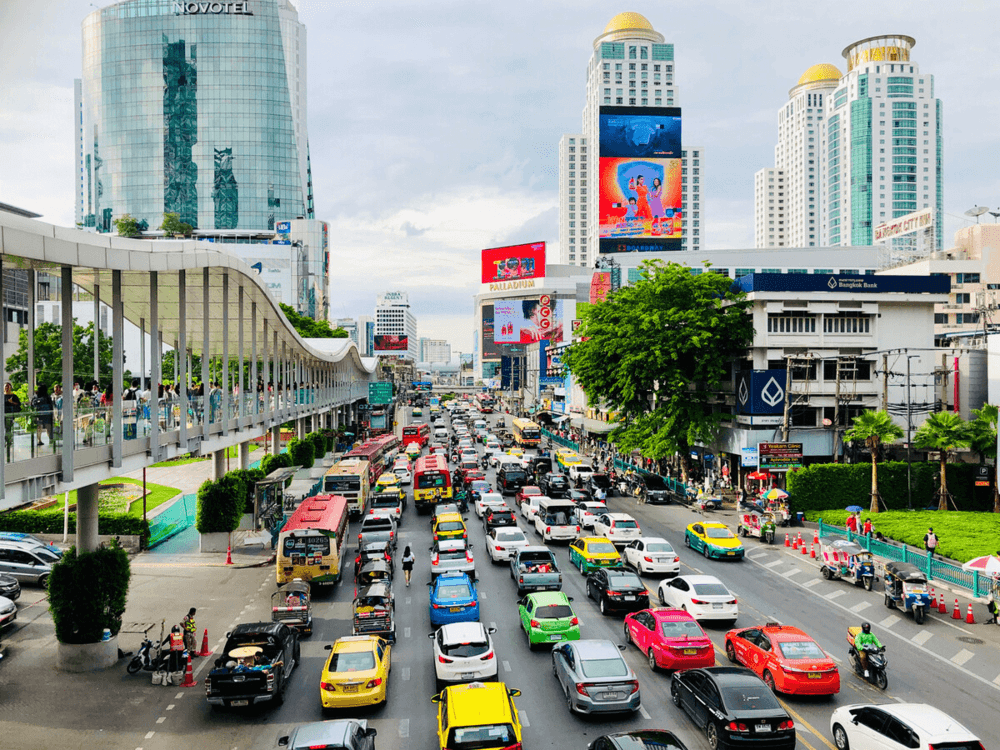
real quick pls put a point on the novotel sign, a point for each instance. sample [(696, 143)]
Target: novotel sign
[(205, 9)]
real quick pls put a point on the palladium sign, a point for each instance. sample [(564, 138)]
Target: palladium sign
[(200, 9)]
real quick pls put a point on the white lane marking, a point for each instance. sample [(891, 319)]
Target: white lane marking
[(404, 728), (524, 720), (149, 735), (406, 673), (962, 656), (179, 696), (171, 706), (889, 621), (922, 637), (506, 666), (790, 573), (861, 607), (835, 658), (772, 564), (996, 680), (484, 596), (406, 632), (645, 713), (810, 583), (833, 595), (161, 720)]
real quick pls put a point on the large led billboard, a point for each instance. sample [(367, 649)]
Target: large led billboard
[(526, 320), (514, 262), (386, 344), (639, 179), (492, 351)]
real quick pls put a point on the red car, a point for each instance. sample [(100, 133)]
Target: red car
[(788, 660), (670, 638), (526, 492)]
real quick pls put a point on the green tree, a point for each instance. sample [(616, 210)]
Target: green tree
[(983, 440), (174, 227), (167, 367), (48, 355), (874, 428), (312, 329), (944, 431), (128, 226), (656, 351)]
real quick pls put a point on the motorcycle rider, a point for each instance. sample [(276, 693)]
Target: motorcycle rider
[(862, 639), (176, 663)]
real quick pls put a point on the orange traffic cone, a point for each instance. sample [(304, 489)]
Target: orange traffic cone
[(787, 543), (812, 551), (188, 675), (957, 614), (933, 599), (229, 555), (969, 617), (204, 645), (816, 536), (803, 548), (942, 607), (799, 540)]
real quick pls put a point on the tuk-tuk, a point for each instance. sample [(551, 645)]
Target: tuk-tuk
[(847, 560), (906, 588), (374, 612), (292, 606), (760, 525), (376, 571), (371, 552)]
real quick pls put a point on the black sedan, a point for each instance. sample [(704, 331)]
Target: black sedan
[(660, 739), (617, 591), (735, 708), (495, 517), (654, 489), (554, 485)]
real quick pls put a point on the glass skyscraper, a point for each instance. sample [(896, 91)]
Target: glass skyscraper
[(193, 108)]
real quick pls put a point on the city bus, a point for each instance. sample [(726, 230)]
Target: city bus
[(431, 481), (313, 542), (484, 402), (423, 386), (526, 433), (416, 433), (379, 452), (351, 479)]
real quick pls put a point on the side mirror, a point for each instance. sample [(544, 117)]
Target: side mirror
[(436, 698), (431, 583), (570, 598), (472, 546), (283, 741), (371, 732), (514, 693), (431, 635), (328, 647), (491, 631), (621, 647)]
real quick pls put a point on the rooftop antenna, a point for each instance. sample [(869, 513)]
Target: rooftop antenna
[(976, 211)]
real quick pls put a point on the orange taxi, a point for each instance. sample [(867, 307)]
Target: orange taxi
[(787, 659)]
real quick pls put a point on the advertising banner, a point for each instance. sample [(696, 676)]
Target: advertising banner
[(868, 284), (492, 351), (386, 344), (525, 321), (779, 456), (907, 224), (600, 285), (283, 227), (748, 457), (514, 262), (639, 179)]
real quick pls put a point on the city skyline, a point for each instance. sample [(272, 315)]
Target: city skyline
[(479, 169)]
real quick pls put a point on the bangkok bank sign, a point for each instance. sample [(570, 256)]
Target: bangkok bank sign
[(205, 9)]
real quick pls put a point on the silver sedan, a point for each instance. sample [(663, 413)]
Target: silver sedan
[(595, 678)]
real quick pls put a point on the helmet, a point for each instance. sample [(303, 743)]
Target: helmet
[(866, 627), (175, 629)]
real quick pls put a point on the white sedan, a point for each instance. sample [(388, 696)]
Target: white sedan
[(588, 510), (463, 652), (487, 499), (704, 597), (405, 477), (619, 528), (652, 554), (904, 725), (503, 542)]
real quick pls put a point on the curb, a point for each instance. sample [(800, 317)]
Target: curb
[(244, 566)]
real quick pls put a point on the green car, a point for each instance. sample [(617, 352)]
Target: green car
[(547, 617), (417, 411)]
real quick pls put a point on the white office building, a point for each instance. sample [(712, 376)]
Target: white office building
[(435, 351), (630, 66), (393, 318)]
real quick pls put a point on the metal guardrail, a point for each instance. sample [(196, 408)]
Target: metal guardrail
[(933, 567), (564, 442)]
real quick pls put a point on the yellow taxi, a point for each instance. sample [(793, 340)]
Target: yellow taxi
[(588, 553), (480, 715), (515, 452), (357, 672), (450, 526), (713, 540), (565, 459), (389, 482)]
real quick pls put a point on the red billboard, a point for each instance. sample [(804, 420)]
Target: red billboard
[(387, 343), (514, 262)]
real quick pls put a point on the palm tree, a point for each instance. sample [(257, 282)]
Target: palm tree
[(983, 440), (874, 428), (943, 431)]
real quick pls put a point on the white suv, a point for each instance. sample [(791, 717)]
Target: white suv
[(619, 528), (463, 652), (899, 725)]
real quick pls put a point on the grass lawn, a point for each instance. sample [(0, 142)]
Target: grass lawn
[(157, 494), (961, 536), (231, 452)]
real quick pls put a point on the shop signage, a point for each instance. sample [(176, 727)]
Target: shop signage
[(982, 476), (760, 392), (748, 457), (779, 456), (904, 225), (283, 227), (204, 9), (503, 286)]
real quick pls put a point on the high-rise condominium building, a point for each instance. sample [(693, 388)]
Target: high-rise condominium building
[(435, 350), (631, 66), (854, 151), (393, 318), (197, 109)]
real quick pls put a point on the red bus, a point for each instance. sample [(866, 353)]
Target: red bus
[(484, 402), (313, 541), (379, 452), (431, 481), (416, 433)]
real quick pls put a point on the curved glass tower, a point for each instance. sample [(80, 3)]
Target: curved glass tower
[(193, 108)]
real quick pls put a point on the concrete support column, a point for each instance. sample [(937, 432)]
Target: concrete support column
[(244, 454), (218, 464), (276, 439), (300, 427), (155, 354), (69, 429), (86, 518)]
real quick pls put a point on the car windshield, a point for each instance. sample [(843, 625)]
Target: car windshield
[(463, 650), (653, 482), (801, 650), (659, 547), (509, 536), (598, 668), (711, 589), (453, 591), (616, 580), (680, 629), (557, 480), (749, 698), (501, 515), (352, 661), (483, 736), (717, 532), (514, 476), (553, 612), (601, 548), (450, 526), (627, 524), (557, 518)]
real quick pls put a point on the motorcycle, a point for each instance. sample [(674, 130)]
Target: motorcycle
[(877, 661), (146, 661)]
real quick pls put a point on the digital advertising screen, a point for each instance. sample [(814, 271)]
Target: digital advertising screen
[(492, 351), (639, 179), (527, 320), (386, 344), (514, 262)]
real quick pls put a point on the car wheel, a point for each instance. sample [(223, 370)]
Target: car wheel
[(840, 738), (590, 591), (769, 680), (531, 646), (712, 735), (652, 659), (675, 695), (569, 703), (730, 652), (659, 595), (43, 582), (628, 635), (555, 672), (704, 551), (687, 541), (604, 609)]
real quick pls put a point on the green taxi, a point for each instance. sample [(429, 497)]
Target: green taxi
[(589, 553), (547, 617)]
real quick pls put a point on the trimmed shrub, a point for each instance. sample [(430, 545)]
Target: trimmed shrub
[(220, 504), (270, 462), (51, 522), (248, 478), (301, 453), (87, 593), (319, 442)]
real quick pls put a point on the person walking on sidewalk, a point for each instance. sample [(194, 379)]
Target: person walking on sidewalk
[(930, 541), (867, 528), (190, 630), (408, 560)]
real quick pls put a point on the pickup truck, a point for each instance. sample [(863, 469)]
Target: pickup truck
[(535, 569), (232, 684), (377, 528)]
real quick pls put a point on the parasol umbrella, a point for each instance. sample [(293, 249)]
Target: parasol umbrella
[(854, 509), (757, 475), (775, 494), (989, 564)]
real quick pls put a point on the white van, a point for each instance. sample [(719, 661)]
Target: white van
[(440, 433), (555, 520)]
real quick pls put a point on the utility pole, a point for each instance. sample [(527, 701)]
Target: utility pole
[(836, 416), (909, 447), (885, 382), (788, 398)]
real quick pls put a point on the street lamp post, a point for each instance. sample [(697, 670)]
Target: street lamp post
[(909, 429)]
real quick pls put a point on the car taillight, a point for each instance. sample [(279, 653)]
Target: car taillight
[(357, 559), (468, 556), (534, 623), (434, 560), (435, 606), (392, 534), (548, 529), (737, 727), (575, 621), (498, 548), (635, 686), (328, 686), (465, 534), (647, 559), (359, 537), (517, 746), (577, 529), (698, 601), (374, 683), (582, 689), (371, 512), (609, 592), (791, 725), (445, 660), (732, 601), (487, 657)]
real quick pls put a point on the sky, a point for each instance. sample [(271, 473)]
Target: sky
[(433, 126)]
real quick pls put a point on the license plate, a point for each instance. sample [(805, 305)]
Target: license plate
[(613, 696), (716, 606), (629, 598), (730, 553), (814, 675), (239, 703), (556, 637), (454, 609), (468, 675), (762, 727), (690, 651), (350, 688)]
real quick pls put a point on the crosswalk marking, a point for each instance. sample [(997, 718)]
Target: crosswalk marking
[(889, 621), (962, 656), (833, 595), (406, 632), (406, 673), (772, 564), (861, 607), (922, 637), (404, 728), (810, 583), (506, 666), (791, 572)]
